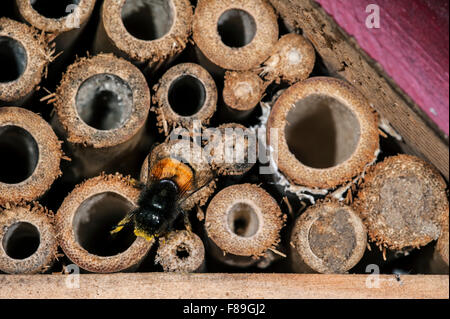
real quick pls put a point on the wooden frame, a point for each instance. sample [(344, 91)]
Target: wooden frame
[(344, 59), (219, 286)]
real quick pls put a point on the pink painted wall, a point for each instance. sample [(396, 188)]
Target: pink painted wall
[(412, 45)]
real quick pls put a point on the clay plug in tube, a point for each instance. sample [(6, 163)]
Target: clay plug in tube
[(242, 222), (30, 156), (23, 59), (28, 242), (86, 217), (292, 61), (324, 133), (150, 33), (181, 251), (328, 237), (234, 34), (403, 203), (243, 90), (102, 105)]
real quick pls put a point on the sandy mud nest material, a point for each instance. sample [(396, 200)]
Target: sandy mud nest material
[(329, 237), (243, 90), (31, 156), (27, 239), (119, 18), (403, 203), (324, 131), (230, 150), (192, 154), (86, 217), (235, 34), (185, 93), (244, 220), (23, 58), (102, 78), (292, 61), (181, 251), (64, 16)]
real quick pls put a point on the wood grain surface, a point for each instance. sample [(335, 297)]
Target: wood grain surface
[(219, 286)]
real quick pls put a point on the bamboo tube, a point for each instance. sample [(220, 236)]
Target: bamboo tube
[(324, 131), (242, 222), (328, 237), (181, 251), (101, 108), (23, 59), (63, 20), (31, 155), (86, 217), (189, 153), (292, 61), (147, 32), (242, 93), (403, 203), (185, 93), (28, 239), (440, 258), (233, 152), (234, 34)]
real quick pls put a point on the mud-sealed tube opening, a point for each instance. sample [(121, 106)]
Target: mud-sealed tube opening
[(21, 240), (322, 132), (187, 95), (96, 217), (104, 102), (148, 19), (20, 154), (13, 59), (54, 9), (237, 28)]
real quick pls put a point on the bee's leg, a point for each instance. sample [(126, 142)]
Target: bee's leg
[(187, 222), (121, 224)]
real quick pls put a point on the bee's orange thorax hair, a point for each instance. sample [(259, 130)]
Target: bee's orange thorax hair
[(175, 170)]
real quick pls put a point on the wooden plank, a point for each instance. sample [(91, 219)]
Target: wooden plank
[(343, 58), (200, 286)]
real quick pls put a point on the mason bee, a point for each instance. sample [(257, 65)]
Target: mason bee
[(169, 184)]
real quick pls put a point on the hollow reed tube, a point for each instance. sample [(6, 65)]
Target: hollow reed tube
[(86, 217), (28, 242), (242, 222), (24, 57), (30, 156), (101, 108)]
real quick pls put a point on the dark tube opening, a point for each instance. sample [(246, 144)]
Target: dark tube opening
[(94, 220), (21, 240), (237, 28), (322, 132), (182, 252), (54, 9), (19, 154), (187, 95), (104, 102), (243, 220), (148, 19), (13, 59)]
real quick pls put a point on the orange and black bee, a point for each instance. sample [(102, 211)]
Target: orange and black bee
[(170, 183)]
